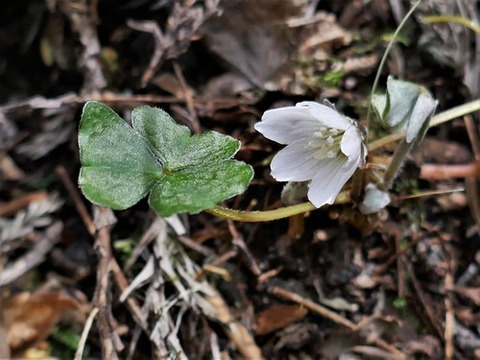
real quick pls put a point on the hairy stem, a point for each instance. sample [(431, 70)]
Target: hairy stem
[(396, 164), (384, 58)]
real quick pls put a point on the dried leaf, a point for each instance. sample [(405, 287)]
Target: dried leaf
[(248, 36), (29, 318), (278, 317)]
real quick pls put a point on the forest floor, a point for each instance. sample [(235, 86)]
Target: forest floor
[(82, 281)]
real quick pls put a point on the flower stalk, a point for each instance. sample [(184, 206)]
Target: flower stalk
[(396, 164), (270, 215)]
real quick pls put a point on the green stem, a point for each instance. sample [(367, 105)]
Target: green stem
[(396, 163), (269, 215), (384, 58), (453, 19)]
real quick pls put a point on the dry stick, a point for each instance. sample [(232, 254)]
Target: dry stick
[(120, 279), (188, 97), (235, 330), (85, 332), (154, 229), (39, 102), (153, 28), (319, 309), (449, 307), (101, 299), (472, 135), (449, 319), (400, 268), (471, 183), (132, 303), (397, 255), (13, 206), (323, 311), (421, 296), (72, 99), (237, 240), (446, 172), (81, 21), (77, 200), (190, 243), (218, 261), (110, 98)]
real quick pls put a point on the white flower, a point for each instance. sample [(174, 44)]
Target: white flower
[(322, 146)]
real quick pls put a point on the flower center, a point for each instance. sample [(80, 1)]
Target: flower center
[(326, 143)]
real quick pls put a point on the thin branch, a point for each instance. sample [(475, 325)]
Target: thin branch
[(86, 330)]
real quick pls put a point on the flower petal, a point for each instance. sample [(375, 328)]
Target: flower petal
[(294, 163), (326, 115), (351, 143), (329, 180), (285, 125)]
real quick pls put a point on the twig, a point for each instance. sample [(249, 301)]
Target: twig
[(400, 267), (445, 172), (109, 338), (13, 206), (449, 283), (72, 99), (160, 42), (81, 20), (238, 241), (77, 200), (122, 283), (317, 308), (449, 319), (155, 228), (205, 251), (39, 102), (421, 296), (218, 261), (235, 330), (189, 99), (472, 135), (471, 183), (86, 330), (323, 311)]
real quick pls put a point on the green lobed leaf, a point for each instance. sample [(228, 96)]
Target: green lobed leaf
[(380, 105), (402, 96), (198, 170), (187, 173), (118, 169), (420, 117), (174, 144), (198, 188)]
